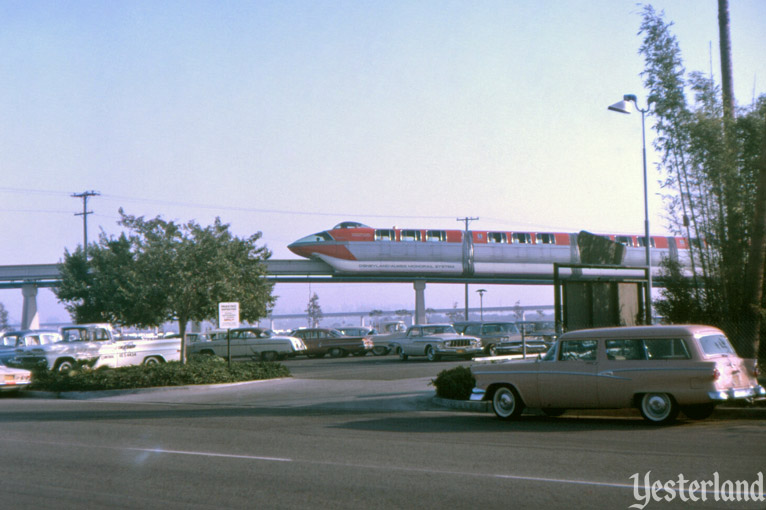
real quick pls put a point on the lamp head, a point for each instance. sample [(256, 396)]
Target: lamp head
[(621, 107)]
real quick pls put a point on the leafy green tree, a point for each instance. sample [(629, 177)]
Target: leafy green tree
[(158, 271), (710, 168)]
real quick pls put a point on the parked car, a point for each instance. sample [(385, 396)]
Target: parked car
[(248, 343), (13, 379), (661, 370), (543, 330), (11, 340), (380, 344), (321, 341), (499, 337), (435, 341)]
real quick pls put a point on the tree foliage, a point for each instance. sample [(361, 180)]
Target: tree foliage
[(159, 271), (710, 170), (3, 318), (314, 311)]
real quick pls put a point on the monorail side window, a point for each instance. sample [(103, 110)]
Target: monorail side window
[(642, 241), (436, 236), (545, 238), (385, 235), (626, 240), (410, 235), (497, 237), (521, 238)]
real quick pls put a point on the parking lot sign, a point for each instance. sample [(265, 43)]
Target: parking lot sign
[(228, 315)]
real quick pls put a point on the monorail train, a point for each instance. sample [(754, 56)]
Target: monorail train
[(352, 247)]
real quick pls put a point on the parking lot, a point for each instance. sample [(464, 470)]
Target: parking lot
[(347, 433)]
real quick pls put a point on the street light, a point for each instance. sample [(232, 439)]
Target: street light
[(624, 107), (481, 301)]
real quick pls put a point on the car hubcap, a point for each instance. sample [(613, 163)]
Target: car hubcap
[(658, 405), (505, 403)]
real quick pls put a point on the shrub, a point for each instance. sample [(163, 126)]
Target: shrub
[(455, 383), (199, 370)]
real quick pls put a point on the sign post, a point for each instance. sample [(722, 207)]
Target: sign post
[(228, 318)]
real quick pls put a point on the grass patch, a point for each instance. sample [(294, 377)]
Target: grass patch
[(198, 370)]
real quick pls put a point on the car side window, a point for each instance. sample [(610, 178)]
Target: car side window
[(472, 330), (625, 349), (578, 350), (666, 348)]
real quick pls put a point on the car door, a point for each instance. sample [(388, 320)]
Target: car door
[(571, 380)]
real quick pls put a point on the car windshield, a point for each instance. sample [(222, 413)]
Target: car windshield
[(506, 327), (716, 345), (435, 330)]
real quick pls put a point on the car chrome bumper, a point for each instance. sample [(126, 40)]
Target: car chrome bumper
[(754, 392), (477, 394)]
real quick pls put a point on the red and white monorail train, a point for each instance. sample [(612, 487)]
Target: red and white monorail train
[(352, 247)]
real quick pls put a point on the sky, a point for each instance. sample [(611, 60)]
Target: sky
[(287, 117)]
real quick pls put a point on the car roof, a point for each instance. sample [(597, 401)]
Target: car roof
[(643, 331)]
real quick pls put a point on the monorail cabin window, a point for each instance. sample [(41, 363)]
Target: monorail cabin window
[(497, 237), (626, 240), (521, 238), (545, 239), (410, 235), (385, 235), (642, 242), (436, 236)]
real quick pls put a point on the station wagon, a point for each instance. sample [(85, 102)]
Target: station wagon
[(660, 370)]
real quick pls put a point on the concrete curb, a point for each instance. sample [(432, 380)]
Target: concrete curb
[(87, 395), (757, 411)]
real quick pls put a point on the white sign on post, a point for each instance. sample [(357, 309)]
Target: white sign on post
[(228, 315)]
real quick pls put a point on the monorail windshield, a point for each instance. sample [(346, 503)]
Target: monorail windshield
[(349, 224)]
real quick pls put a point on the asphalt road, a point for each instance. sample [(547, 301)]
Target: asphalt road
[(351, 433)]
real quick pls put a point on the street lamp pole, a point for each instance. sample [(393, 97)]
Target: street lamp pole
[(481, 301), (624, 107)]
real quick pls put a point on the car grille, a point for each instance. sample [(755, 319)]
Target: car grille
[(458, 343)]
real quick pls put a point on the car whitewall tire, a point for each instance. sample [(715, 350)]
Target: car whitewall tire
[(506, 403), (658, 408)]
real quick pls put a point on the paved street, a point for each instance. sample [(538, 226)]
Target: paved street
[(348, 433)]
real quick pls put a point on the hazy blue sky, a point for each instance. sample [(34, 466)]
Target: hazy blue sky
[(287, 117)]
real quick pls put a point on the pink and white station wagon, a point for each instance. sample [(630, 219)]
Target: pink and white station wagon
[(661, 370)]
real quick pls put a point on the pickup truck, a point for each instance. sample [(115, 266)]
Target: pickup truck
[(435, 341), (97, 345), (248, 344)]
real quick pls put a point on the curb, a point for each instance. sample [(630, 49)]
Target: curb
[(757, 411), (87, 395)]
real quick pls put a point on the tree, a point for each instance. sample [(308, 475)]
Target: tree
[(3, 318), (314, 311), (160, 271), (710, 165)]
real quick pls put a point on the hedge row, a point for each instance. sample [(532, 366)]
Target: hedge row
[(199, 370)]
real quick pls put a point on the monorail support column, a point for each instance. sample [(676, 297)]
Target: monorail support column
[(29, 317), (420, 301)]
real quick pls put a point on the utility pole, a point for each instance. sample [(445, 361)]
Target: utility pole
[(85, 212), (467, 220)]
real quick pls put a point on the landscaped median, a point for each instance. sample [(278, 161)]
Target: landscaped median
[(199, 370)]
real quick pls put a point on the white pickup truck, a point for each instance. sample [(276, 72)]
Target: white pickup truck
[(97, 345)]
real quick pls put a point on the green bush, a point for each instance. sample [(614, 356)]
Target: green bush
[(199, 370), (455, 383)]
